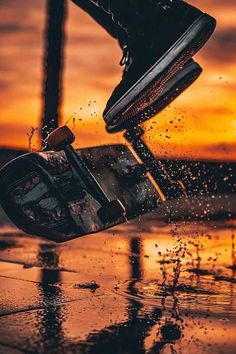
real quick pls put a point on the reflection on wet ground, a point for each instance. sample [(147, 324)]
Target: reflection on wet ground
[(144, 287)]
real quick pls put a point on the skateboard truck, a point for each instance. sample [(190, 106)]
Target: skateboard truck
[(169, 187), (61, 139)]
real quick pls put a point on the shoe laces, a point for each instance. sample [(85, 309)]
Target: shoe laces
[(166, 4), (126, 55), (126, 59)]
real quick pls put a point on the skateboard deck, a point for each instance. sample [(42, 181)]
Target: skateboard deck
[(43, 196)]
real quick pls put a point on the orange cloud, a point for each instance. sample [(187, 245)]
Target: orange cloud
[(207, 110)]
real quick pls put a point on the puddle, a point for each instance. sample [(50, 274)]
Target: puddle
[(135, 289), (204, 298)]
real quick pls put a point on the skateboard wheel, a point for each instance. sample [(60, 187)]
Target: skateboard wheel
[(60, 137), (111, 212)]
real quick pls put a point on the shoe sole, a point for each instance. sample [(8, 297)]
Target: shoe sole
[(159, 75), (177, 84)]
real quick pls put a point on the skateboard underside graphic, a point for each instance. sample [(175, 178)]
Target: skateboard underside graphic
[(43, 195)]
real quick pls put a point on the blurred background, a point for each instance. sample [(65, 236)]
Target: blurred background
[(204, 117)]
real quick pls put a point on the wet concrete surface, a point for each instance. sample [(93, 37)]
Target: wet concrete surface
[(143, 287)]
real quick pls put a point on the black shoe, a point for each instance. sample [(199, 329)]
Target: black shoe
[(155, 103), (171, 33)]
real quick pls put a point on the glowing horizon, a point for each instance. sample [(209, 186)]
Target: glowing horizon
[(204, 116)]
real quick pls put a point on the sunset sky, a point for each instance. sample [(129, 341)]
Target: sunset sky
[(204, 117)]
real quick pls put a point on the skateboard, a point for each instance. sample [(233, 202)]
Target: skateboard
[(66, 193)]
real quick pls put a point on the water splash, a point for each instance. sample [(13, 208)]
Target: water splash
[(30, 138)]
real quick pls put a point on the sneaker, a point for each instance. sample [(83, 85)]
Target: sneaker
[(156, 103), (171, 33)]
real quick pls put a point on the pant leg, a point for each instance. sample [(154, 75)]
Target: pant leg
[(99, 11), (120, 18), (128, 14)]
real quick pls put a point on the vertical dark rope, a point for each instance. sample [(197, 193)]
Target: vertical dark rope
[(53, 66)]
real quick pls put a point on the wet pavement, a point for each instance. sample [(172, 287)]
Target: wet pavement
[(143, 287)]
